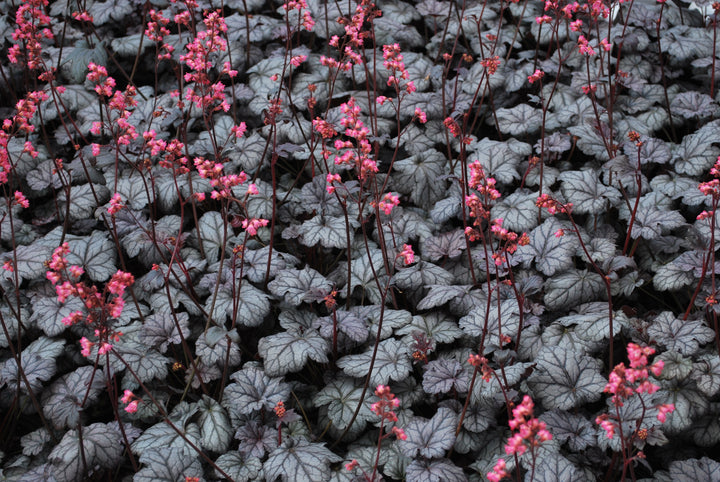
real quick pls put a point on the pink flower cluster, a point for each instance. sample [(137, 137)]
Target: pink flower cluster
[(19, 125), (252, 225), (385, 408), (393, 61), (357, 153), (131, 400), (624, 383), (388, 202), (101, 306), (712, 187), (30, 18), (553, 206), (529, 433), (301, 6), (206, 95), (119, 104), (354, 39), (407, 254)]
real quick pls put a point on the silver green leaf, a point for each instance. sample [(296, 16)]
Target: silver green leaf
[(215, 430), (168, 464), (101, 446), (430, 438), (565, 379), (684, 336), (299, 460), (253, 391), (391, 362), (289, 351)]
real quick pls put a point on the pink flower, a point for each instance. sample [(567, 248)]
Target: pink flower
[(298, 60), (331, 178), (252, 225), (388, 202), (239, 130), (132, 406), (127, 396), (86, 347), (72, 318), (115, 204), (498, 472), (536, 76), (663, 410), (407, 254)]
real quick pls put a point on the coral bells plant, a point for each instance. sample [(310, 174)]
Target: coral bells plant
[(528, 434), (632, 386), (100, 308), (226, 229)]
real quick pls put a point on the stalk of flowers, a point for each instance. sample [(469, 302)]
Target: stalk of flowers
[(117, 105), (479, 208), (385, 408), (101, 307), (352, 43), (206, 95), (528, 434), (19, 125), (709, 188), (625, 383), (304, 18), (32, 27)]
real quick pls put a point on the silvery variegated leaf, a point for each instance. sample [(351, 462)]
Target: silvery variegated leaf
[(392, 362), (565, 379), (299, 460), (430, 438), (289, 351)]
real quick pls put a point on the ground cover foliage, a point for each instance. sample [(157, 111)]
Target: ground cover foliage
[(423, 241)]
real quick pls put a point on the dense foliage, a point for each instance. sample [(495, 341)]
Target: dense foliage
[(426, 241)]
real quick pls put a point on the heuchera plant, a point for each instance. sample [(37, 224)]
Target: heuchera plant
[(356, 240)]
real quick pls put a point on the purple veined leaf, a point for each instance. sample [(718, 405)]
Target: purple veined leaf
[(162, 463), (706, 373), (215, 430), (552, 254), (697, 152), (443, 375), (289, 351), (574, 429), (518, 211), (439, 327), (571, 288), (240, 467), (554, 466), (695, 469), (586, 192), (253, 391), (256, 439), (565, 379), (520, 120), (441, 470), (341, 397), (147, 364), (348, 323), (683, 336), (430, 438), (296, 286), (299, 460), (392, 362), (101, 445), (418, 176), (63, 400)]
